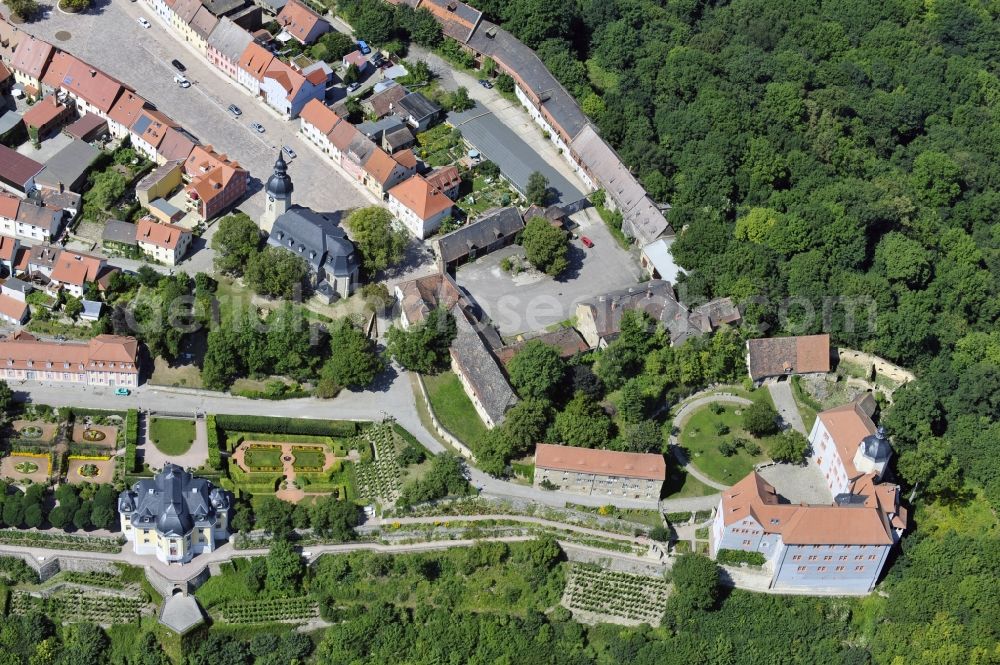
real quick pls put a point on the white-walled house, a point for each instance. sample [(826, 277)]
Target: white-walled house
[(419, 206)]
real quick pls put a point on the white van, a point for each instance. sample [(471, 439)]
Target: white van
[(180, 80)]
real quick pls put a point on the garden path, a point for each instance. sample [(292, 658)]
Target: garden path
[(683, 414), (196, 455)]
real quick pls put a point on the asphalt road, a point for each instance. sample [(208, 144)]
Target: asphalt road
[(110, 38)]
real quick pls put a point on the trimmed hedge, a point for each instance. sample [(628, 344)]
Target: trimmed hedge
[(736, 557), (131, 439), (78, 412), (340, 428), (214, 455)]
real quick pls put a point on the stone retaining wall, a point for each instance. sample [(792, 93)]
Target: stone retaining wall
[(439, 428)]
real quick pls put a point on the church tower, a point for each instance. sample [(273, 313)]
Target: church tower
[(279, 194)]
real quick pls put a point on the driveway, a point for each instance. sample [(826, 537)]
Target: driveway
[(531, 302), (110, 38), (784, 402)]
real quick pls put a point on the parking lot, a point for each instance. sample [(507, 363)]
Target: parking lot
[(110, 38), (532, 302)]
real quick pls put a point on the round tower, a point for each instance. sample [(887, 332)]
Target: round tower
[(874, 452)]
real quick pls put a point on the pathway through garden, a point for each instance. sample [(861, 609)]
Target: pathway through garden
[(683, 414)]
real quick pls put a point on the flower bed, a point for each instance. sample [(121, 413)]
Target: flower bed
[(308, 458), (31, 432), (94, 435), (89, 470), (26, 467), (263, 458)]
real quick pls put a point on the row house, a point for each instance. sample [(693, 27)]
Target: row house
[(182, 12), (125, 111), (225, 46), (287, 91), (317, 121), (201, 27), (148, 132), (382, 172), (25, 218), (29, 62), (252, 64), (106, 360)]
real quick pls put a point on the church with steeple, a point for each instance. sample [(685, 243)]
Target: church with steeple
[(334, 263)]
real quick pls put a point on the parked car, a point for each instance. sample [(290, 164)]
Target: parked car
[(178, 65), (353, 86), (123, 392), (182, 81), (143, 22), (364, 47), (288, 151), (257, 127), (486, 84), (235, 110), (586, 241)]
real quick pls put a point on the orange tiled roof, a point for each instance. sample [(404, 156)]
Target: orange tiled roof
[(601, 462), (156, 128), (417, 194), (380, 166), (158, 233), (75, 268), (406, 159), (298, 20), (31, 56), (12, 307), (8, 248), (92, 85), (24, 351), (43, 112), (127, 108), (847, 424), (58, 69), (320, 116), (9, 205), (255, 60)]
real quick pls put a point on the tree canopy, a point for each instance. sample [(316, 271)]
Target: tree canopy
[(545, 246), (380, 243)]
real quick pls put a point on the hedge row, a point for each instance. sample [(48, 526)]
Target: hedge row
[(78, 412), (736, 557), (131, 439), (341, 428), (214, 455)]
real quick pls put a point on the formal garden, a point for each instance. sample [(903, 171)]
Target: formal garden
[(596, 595), (379, 474)]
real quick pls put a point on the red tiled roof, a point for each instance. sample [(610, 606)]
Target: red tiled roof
[(158, 233), (8, 205), (320, 116), (779, 356), (342, 135), (92, 85), (115, 352), (444, 177), (255, 60), (31, 56), (127, 108), (298, 20), (601, 462), (13, 308), (76, 269), (15, 167), (86, 125), (417, 194), (847, 424), (406, 159), (176, 145), (8, 247), (380, 166)]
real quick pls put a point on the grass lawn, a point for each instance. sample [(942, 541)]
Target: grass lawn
[(453, 408), (308, 458), (700, 440), (258, 457), (681, 485), (182, 375), (172, 437)]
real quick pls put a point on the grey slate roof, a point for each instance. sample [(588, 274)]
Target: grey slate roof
[(389, 123), (655, 297), (122, 232), (15, 284), (221, 7), (502, 46), (876, 446), (398, 138), (481, 369), (68, 165), (43, 217), (164, 206), (229, 39), (317, 239), (180, 613), (157, 174), (641, 219), (173, 502), (418, 106), (486, 230), (516, 159)]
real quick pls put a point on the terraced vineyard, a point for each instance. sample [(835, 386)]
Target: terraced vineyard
[(382, 478), (285, 610), (594, 594), (76, 605)]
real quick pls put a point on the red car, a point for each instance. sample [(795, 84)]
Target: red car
[(586, 241)]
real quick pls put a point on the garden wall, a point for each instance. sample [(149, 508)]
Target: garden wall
[(439, 428), (881, 366)]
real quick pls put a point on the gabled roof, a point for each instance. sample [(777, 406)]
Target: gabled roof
[(601, 462), (781, 356), (186, 9), (22, 350), (298, 20), (418, 106), (8, 245), (419, 296), (848, 425), (58, 69), (177, 144), (406, 158), (480, 369), (380, 166), (121, 232), (320, 116), (255, 60), (44, 112), (32, 56), (15, 168), (92, 85), (567, 340), (419, 196), (8, 205), (492, 226), (229, 39), (204, 22), (154, 232), (458, 20), (40, 216), (316, 238), (127, 108), (342, 135), (87, 125), (444, 177), (13, 308), (76, 268), (151, 126), (384, 102)]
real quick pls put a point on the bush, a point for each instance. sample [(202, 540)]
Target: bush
[(751, 448), (721, 429), (727, 448), (131, 439), (736, 557), (338, 428)]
